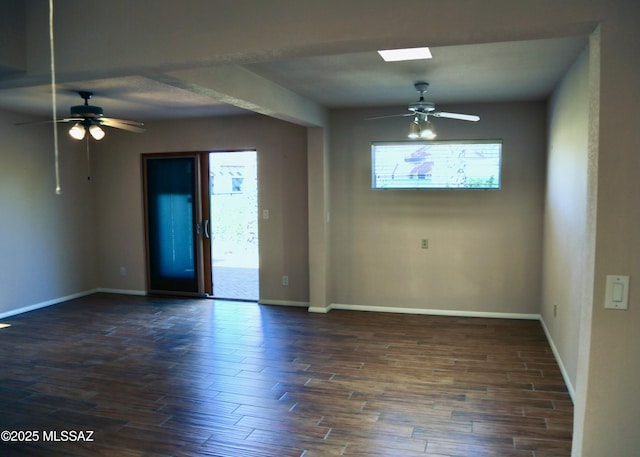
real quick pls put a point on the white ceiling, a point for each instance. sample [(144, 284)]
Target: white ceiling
[(507, 71)]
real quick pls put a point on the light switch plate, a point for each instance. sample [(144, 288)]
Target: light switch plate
[(617, 292)]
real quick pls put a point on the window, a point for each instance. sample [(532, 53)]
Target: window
[(236, 184), (466, 164)]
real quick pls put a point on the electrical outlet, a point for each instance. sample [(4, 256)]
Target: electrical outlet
[(123, 271), (425, 243), (285, 280)]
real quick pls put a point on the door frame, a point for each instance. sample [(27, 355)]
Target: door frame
[(205, 216)]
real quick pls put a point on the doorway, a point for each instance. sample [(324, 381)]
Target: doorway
[(201, 224), (233, 227)]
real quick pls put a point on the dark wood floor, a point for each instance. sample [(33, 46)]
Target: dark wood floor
[(168, 377)]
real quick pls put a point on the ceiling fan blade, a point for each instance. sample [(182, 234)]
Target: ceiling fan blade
[(120, 121), (462, 117), (131, 126), (389, 115), (51, 121)]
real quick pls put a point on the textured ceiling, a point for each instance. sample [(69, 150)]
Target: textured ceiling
[(508, 71), (148, 89)]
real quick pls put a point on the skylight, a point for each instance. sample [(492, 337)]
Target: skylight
[(397, 55)]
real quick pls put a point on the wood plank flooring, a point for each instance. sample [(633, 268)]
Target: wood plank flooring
[(171, 377)]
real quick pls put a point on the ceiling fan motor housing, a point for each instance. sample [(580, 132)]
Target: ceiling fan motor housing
[(86, 111), (422, 107)]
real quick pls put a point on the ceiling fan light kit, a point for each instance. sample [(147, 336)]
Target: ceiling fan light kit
[(96, 132), (78, 131), (414, 130), (421, 129), (427, 130)]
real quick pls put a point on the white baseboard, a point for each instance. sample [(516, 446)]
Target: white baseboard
[(44, 304), (122, 291), (440, 312), (56, 301), (300, 304), (556, 354), (320, 309), (432, 312)]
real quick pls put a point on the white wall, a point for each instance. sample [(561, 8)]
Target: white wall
[(566, 223), (46, 240), (484, 246), (609, 374)]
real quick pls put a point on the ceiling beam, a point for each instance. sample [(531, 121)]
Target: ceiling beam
[(238, 86)]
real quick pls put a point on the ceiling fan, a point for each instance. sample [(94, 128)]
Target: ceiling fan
[(88, 118), (91, 118), (424, 108), (420, 127)]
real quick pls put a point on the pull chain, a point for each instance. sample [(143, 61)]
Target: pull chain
[(53, 101), (88, 160)]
